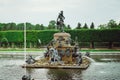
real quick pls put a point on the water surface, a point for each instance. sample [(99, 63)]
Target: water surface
[(104, 67)]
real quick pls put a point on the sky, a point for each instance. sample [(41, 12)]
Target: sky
[(42, 11)]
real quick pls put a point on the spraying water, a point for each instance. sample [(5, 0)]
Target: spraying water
[(25, 77), (90, 59)]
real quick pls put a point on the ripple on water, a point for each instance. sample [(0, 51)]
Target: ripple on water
[(10, 69), (102, 71)]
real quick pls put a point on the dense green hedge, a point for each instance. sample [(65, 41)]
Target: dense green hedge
[(44, 36), (84, 35), (99, 35), (11, 36)]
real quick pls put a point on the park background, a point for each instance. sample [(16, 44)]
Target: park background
[(93, 23), (105, 36)]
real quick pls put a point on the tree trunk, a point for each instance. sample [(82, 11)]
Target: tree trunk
[(3, 45), (13, 45), (30, 45), (0, 44), (92, 45), (34, 45), (110, 45)]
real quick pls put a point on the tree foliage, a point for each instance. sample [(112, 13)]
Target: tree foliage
[(78, 26), (20, 26), (92, 26), (110, 25), (52, 24), (85, 26), (68, 26)]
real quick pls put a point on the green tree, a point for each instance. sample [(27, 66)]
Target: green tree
[(20, 26), (0, 27), (29, 26), (92, 26), (102, 26), (119, 25), (37, 27), (68, 26), (112, 24), (3, 26), (85, 26), (78, 26), (42, 27), (12, 26), (52, 24)]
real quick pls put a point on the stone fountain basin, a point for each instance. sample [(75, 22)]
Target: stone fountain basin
[(40, 64)]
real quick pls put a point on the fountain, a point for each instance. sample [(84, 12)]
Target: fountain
[(60, 53)]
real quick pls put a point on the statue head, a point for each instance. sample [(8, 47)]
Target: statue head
[(61, 12)]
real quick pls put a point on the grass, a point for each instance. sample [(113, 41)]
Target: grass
[(21, 49), (100, 50), (105, 50)]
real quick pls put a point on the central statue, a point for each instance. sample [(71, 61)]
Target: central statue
[(60, 52), (60, 21)]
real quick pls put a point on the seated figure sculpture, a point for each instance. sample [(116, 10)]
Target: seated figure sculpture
[(54, 55), (30, 60)]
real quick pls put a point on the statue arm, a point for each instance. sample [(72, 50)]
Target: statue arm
[(63, 17), (58, 17)]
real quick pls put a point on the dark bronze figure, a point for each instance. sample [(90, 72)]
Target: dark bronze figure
[(60, 21)]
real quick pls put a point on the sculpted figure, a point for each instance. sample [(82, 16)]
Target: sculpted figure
[(60, 21)]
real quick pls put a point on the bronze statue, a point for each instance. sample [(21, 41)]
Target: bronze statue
[(60, 21)]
